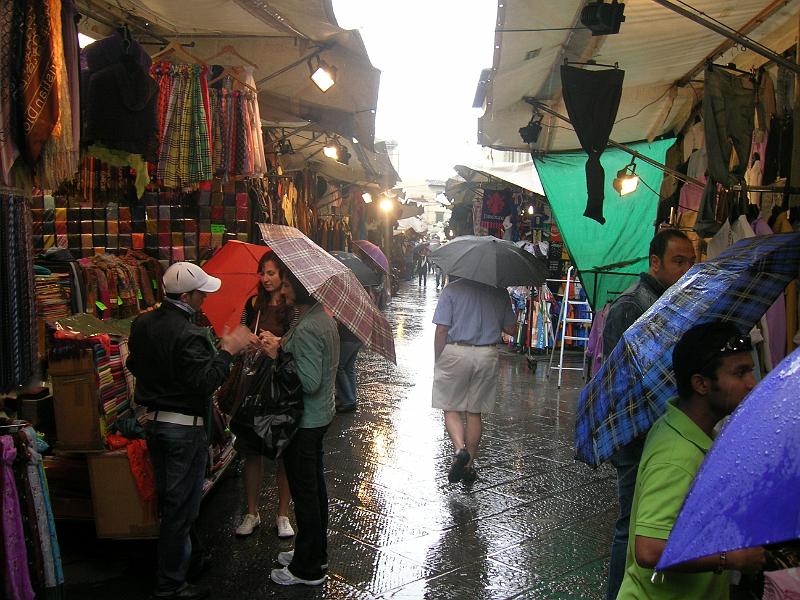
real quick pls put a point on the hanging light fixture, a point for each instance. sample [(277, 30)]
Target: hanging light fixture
[(344, 155), (627, 180), (331, 150), (530, 209), (530, 133), (323, 75), (367, 197)]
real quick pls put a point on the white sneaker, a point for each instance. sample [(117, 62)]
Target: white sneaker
[(249, 523), (284, 527), (284, 577), (285, 559)]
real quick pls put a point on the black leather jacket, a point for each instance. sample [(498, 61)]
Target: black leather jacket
[(175, 362), (629, 306)]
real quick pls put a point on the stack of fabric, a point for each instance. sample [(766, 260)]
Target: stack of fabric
[(18, 340), (782, 585), (53, 296), (113, 387)]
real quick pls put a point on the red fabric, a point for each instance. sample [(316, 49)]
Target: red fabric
[(235, 264), (139, 460)]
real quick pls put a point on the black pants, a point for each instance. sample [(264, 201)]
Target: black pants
[(303, 461)]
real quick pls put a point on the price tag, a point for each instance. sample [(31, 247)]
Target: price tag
[(119, 301), (139, 294), (100, 305), (155, 284), (216, 228)]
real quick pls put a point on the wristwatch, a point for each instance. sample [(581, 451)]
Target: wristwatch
[(722, 561)]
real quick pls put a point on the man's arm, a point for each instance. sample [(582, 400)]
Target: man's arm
[(439, 340), (648, 552)]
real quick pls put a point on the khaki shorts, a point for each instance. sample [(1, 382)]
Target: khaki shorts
[(465, 378)]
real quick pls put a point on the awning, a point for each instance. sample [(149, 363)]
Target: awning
[(279, 37), (365, 168), (656, 47)]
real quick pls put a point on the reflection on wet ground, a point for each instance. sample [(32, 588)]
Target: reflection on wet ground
[(535, 524)]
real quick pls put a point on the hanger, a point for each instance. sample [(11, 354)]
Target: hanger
[(730, 67), (227, 71), (231, 50), (590, 63), (177, 48)]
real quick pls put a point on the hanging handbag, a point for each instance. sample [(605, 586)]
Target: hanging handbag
[(277, 407)]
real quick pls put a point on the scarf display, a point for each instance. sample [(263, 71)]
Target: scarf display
[(18, 340)]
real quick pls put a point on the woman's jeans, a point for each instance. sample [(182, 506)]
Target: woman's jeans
[(303, 461), (346, 373), (179, 454)]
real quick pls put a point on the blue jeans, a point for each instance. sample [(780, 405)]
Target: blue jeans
[(626, 460), (179, 454), (346, 373), (304, 470)]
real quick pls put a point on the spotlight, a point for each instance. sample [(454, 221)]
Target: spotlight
[(602, 18), (323, 75), (627, 180), (530, 133), (331, 150), (344, 155), (285, 147), (530, 209), (386, 204)]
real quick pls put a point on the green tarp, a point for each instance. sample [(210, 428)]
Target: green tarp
[(629, 222)]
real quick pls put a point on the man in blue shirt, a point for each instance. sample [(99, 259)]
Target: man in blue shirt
[(468, 318)]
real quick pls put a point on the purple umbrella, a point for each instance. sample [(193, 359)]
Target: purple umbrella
[(747, 491), (373, 253)]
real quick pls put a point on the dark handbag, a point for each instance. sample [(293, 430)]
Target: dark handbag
[(278, 406)]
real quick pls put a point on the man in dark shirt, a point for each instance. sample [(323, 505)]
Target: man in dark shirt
[(177, 368), (671, 255)]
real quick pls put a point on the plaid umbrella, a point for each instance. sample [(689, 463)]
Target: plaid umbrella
[(333, 285), (630, 390)]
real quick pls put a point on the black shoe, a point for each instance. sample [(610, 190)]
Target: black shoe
[(186, 592), (469, 476), (456, 471), (198, 567), (346, 408)]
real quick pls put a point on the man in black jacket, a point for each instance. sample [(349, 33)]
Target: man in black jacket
[(177, 368), (671, 255)]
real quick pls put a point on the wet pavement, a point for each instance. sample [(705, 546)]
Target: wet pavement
[(535, 524)]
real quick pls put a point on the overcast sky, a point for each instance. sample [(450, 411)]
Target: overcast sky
[(430, 53)]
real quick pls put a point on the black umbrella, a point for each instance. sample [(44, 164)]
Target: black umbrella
[(489, 260), (365, 275)]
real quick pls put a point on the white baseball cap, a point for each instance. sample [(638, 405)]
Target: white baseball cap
[(184, 277)]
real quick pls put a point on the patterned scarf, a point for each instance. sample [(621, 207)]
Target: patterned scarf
[(39, 79)]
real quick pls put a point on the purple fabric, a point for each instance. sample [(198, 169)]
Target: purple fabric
[(17, 577), (594, 346)]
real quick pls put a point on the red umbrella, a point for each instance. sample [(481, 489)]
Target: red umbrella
[(236, 264), (333, 285), (374, 253)]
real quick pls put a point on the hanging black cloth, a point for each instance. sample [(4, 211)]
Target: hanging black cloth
[(592, 99)]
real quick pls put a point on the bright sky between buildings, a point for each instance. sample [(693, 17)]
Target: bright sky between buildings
[(430, 53)]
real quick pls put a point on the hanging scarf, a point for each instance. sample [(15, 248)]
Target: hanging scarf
[(10, 13), (39, 79)]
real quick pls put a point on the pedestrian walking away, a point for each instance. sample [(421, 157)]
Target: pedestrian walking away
[(271, 309), (422, 271), (177, 369), (671, 255), (469, 318), (714, 372)]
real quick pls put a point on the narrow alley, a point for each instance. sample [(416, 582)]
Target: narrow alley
[(535, 524)]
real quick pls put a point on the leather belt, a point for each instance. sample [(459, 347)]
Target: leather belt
[(164, 416), (471, 345)]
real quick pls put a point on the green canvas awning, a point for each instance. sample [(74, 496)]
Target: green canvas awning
[(629, 225)]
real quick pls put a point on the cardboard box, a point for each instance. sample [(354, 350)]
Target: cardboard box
[(119, 512), (75, 404)]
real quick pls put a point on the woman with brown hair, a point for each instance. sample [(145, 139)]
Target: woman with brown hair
[(270, 309)]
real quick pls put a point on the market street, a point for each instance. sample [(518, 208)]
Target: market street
[(535, 524)]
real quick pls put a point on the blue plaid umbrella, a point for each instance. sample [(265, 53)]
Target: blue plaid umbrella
[(629, 392)]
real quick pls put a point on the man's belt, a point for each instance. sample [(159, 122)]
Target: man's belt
[(164, 416), (471, 345)]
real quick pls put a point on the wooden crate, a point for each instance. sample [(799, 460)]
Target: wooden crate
[(75, 403)]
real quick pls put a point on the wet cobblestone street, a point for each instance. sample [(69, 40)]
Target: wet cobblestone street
[(535, 524)]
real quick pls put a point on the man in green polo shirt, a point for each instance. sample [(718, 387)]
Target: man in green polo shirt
[(714, 372)]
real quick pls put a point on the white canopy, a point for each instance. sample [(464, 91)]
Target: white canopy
[(274, 35), (655, 46)]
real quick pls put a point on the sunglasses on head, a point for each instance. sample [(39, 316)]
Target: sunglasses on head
[(733, 345)]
